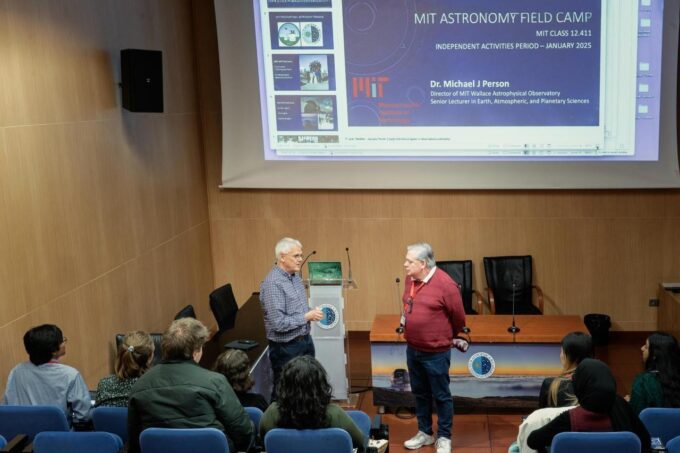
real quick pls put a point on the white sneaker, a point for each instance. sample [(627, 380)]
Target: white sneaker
[(443, 445), (419, 440)]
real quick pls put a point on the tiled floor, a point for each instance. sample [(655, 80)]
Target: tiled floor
[(482, 432), (471, 432)]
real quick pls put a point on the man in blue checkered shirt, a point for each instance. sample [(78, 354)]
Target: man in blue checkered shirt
[(286, 312)]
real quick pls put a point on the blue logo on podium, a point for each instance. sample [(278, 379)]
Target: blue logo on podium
[(330, 316), (481, 365)]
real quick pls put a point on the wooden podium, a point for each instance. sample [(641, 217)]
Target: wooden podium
[(500, 369)]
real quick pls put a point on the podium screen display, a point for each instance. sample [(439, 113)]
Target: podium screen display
[(325, 273)]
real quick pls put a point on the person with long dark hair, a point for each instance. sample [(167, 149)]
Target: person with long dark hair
[(659, 384), (304, 402), (559, 391), (600, 409)]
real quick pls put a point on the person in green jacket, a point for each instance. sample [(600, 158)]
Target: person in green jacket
[(178, 393), (304, 402), (659, 384)]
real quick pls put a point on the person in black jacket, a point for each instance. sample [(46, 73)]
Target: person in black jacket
[(600, 409)]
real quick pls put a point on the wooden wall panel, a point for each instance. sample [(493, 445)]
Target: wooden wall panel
[(590, 255), (56, 65), (103, 213)]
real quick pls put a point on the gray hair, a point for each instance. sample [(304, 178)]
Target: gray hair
[(284, 245), (183, 338), (423, 252)]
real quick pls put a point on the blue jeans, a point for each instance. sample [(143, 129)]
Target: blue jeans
[(282, 353), (429, 375)]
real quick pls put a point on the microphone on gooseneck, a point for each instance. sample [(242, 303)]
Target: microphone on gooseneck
[(305, 260), (349, 265), (307, 257), (399, 329), (513, 328)]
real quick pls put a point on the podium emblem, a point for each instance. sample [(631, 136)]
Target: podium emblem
[(481, 365), (330, 316)]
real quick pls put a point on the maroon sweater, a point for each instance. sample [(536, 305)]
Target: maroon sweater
[(436, 315)]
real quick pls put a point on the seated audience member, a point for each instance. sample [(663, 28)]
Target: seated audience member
[(557, 394), (135, 355), (178, 393), (600, 409), (304, 402), (558, 391), (44, 381), (235, 366), (659, 384), (535, 420)]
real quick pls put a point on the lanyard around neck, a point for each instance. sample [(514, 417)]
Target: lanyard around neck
[(414, 291)]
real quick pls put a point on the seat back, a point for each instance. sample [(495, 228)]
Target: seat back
[(181, 440), (363, 421), (186, 312), (673, 445), (111, 420), (619, 442), (255, 415), (224, 307), (510, 277), (461, 273), (156, 337), (76, 442), (31, 420), (327, 440), (662, 422)]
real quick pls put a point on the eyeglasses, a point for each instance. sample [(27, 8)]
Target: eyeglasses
[(297, 256)]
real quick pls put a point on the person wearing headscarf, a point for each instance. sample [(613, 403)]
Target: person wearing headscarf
[(600, 409)]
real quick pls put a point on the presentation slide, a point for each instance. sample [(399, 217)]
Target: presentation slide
[(475, 80)]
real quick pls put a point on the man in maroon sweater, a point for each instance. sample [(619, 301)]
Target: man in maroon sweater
[(433, 316)]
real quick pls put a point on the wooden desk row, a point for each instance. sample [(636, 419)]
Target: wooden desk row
[(498, 370)]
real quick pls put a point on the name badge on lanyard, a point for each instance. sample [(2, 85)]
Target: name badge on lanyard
[(408, 306)]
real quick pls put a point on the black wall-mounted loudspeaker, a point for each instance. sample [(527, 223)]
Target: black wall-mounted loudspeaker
[(142, 74)]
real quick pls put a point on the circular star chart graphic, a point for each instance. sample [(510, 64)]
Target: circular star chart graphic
[(481, 365), (311, 34), (330, 316)]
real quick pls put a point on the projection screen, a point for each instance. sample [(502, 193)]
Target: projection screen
[(442, 94)]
